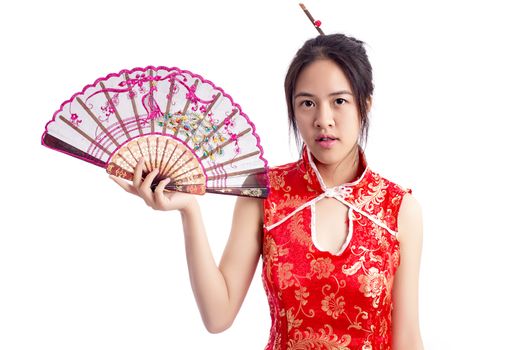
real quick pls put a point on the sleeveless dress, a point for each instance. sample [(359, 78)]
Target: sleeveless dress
[(320, 300)]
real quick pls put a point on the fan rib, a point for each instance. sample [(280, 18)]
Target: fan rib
[(81, 132), (168, 171), (154, 152), (97, 121), (181, 165), (163, 155), (125, 160), (185, 172), (149, 158), (219, 126), (132, 96), (157, 163), (184, 111), (225, 144), (242, 172), (164, 171), (134, 157), (210, 105), (233, 160), (189, 178), (151, 97), (168, 105), (143, 156), (117, 115)]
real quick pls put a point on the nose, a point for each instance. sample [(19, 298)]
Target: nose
[(324, 117)]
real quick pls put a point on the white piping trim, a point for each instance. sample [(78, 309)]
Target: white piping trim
[(322, 184), (370, 217), (313, 226), (333, 192), (270, 227), (314, 200)]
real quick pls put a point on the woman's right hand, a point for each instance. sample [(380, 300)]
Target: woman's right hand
[(159, 199)]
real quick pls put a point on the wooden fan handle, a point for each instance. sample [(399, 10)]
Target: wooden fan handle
[(116, 170)]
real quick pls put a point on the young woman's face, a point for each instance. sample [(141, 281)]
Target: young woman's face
[(326, 112)]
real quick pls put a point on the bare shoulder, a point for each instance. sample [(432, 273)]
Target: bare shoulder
[(249, 209), (250, 203), (409, 218)]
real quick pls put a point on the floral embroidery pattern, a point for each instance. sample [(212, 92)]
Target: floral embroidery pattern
[(323, 339), (372, 284), (277, 182), (322, 267), (285, 277), (333, 307), (298, 231), (319, 300)]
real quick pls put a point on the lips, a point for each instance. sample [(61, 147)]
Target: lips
[(326, 141), (326, 137)]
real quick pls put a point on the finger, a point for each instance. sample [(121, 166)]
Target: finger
[(148, 180), (123, 183), (145, 187), (160, 198), (137, 176)]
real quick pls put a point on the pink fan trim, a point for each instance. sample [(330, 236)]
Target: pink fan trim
[(140, 69)]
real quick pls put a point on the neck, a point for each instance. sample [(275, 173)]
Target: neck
[(347, 170)]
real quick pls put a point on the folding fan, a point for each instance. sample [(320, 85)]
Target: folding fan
[(180, 123)]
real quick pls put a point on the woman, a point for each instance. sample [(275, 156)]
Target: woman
[(340, 244)]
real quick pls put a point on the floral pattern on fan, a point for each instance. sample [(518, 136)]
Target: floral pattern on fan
[(116, 120)]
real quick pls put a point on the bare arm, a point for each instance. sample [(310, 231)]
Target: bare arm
[(406, 330), (219, 290)]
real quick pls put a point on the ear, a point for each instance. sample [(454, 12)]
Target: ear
[(369, 102)]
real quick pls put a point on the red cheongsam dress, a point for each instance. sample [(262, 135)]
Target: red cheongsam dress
[(317, 299)]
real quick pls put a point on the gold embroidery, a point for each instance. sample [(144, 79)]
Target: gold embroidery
[(321, 268), (374, 196), (292, 322), (301, 295), (324, 339), (333, 307), (277, 180), (271, 252), (372, 284), (350, 294), (285, 275), (298, 230), (372, 281)]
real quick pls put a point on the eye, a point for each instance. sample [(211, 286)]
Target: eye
[(307, 103), (340, 101)]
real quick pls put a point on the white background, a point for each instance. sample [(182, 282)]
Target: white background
[(84, 265)]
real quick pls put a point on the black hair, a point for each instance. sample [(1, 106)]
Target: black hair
[(350, 55)]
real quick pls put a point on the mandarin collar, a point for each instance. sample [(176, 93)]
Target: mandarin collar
[(316, 182)]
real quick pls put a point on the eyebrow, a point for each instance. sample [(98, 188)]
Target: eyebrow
[(307, 94)]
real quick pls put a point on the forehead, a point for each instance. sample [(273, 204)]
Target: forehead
[(322, 77)]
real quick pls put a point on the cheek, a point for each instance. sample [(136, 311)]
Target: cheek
[(304, 130), (302, 122), (350, 120)]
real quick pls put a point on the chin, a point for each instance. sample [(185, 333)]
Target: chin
[(324, 157)]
